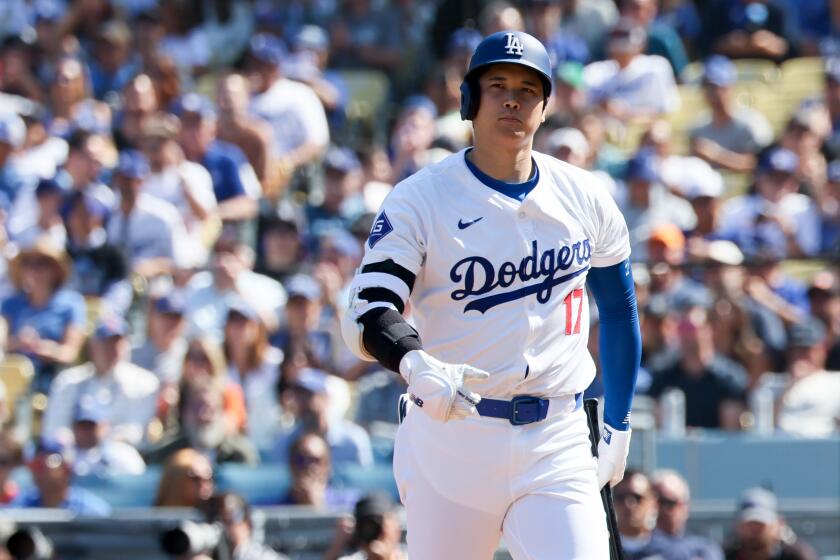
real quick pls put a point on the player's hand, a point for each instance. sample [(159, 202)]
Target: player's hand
[(612, 455), (438, 388)]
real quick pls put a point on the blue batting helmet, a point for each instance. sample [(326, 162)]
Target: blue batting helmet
[(512, 47)]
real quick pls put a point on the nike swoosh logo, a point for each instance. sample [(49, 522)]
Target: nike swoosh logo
[(464, 225)]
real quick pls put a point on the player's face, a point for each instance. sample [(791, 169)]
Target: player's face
[(511, 107)]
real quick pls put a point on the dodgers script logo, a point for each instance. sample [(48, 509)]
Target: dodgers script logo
[(514, 45), (478, 276)]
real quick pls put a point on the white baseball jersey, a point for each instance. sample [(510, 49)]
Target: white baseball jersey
[(500, 284)]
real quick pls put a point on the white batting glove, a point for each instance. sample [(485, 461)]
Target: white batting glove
[(612, 455), (437, 387)]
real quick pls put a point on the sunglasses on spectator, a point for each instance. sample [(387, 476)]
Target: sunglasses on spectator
[(667, 502), (301, 460), (633, 497), (196, 356)]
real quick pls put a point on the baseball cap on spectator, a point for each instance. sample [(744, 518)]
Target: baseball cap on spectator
[(419, 103), (49, 11), (463, 40), (57, 452), (669, 235), (87, 410), (238, 306), (193, 104), (267, 48), (341, 160), (570, 138), (313, 38), (642, 167), (657, 306), (719, 71), (709, 185), (132, 164), (95, 207), (684, 300), (303, 285), (47, 187), (570, 73), (172, 303), (724, 252), (12, 130), (110, 326), (311, 379), (114, 32), (344, 243), (779, 160), (758, 504), (806, 334)]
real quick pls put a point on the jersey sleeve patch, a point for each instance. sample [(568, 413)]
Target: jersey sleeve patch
[(381, 227)]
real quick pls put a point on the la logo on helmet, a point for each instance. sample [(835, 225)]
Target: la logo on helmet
[(514, 45)]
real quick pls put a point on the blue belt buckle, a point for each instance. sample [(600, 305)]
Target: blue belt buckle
[(524, 401)]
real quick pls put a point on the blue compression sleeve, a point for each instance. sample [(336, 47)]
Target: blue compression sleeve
[(620, 342)]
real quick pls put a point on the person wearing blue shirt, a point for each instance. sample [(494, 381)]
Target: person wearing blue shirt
[(235, 183), (52, 468), (46, 322)]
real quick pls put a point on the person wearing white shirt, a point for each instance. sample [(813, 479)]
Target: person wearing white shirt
[(292, 108), (631, 85), (149, 231), (208, 294), (184, 184), (775, 221), (126, 394), (96, 453)]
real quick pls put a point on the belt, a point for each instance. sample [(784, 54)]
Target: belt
[(520, 410)]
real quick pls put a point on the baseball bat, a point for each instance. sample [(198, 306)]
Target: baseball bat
[(616, 552)]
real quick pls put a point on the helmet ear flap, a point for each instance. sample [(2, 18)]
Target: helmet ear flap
[(469, 99)]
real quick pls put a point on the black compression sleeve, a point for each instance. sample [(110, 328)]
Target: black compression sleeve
[(388, 337)]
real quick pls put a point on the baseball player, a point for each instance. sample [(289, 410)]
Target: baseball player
[(497, 246)]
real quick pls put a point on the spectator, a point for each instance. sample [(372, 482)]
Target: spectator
[(291, 108), (87, 154), (12, 136), (375, 532), (831, 101), (184, 184), (590, 20), (747, 29), (187, 481), (235, 183), (127, 393), (714, 386), (69, 97), (46, 322), (49, 194), (307, 401), (809, 406), (165, 346), (17, 57), (342, 202), (673, 496), (761, 533), (251, 134), (705, 199), (310, 466), (543, 20), (140, 101), (11, 456), (99, 268), (203, 426), (412, 138), (663, 39), (184, 41), (647, 204), (234, 513), (52, 471), (255, 365), (824, 301), (635, 509), (660, 344), (630, 85), (775, 221), (113, 63), (363, 36), (829, 203), (282, 250), (148, 231), (569, 94), (231, 277), (95, 453)]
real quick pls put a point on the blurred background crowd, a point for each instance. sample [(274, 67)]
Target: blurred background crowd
[(186, 187)]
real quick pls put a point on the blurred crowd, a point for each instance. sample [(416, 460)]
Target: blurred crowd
[(186, 188)]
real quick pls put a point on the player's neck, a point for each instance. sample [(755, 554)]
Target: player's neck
[(508, 166)]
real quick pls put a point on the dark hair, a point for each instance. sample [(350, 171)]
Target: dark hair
[(225, 501)]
